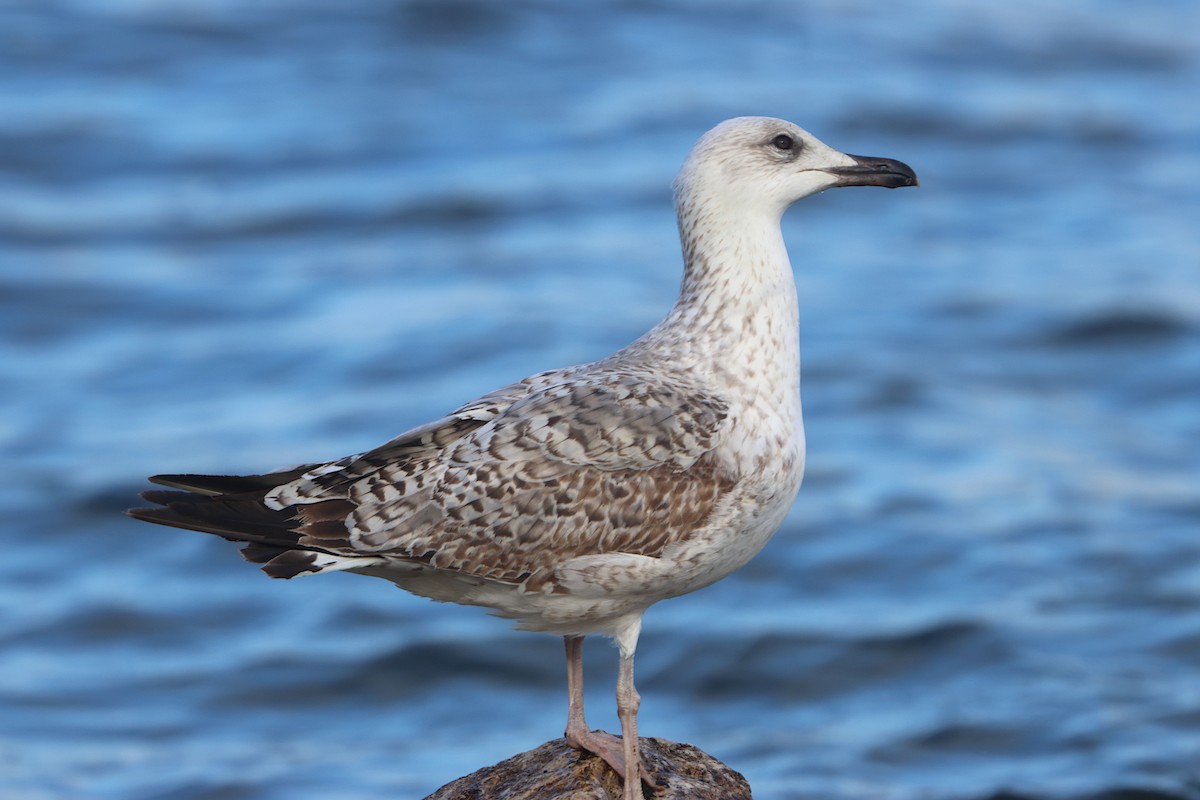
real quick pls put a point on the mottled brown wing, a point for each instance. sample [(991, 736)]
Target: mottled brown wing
[(290, 516), (411, 451), (608, 464)]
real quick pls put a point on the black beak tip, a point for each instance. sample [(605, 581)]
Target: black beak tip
[(871, 171), (905, 176)]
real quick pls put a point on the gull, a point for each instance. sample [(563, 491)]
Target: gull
[(573, 500)]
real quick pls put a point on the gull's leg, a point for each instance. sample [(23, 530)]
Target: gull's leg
[(628, 702), (577, 732), (578, 735)]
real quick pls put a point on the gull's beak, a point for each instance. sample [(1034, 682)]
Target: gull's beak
[(871, 171)]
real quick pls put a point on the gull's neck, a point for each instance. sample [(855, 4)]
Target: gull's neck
[(735, 330), (736, 313)]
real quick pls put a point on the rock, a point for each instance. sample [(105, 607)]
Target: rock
[(557, 771)]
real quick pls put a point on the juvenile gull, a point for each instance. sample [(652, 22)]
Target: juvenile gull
[(574, 499)]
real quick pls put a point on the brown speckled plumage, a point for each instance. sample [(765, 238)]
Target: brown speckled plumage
[(602, 463)]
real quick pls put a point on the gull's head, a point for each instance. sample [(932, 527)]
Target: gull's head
[(763, 164)]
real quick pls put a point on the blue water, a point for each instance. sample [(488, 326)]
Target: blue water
[(235, 236)]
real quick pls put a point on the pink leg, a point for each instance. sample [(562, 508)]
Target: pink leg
[(608, 747), (628, 702)]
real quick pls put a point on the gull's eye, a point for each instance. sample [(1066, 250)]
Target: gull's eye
[(783, 142)]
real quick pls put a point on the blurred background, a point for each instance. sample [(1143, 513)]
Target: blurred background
[(240, 235)]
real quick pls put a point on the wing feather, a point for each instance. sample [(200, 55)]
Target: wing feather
[(574, 462), (610, 464)]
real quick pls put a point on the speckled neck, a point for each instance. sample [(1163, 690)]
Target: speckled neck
[(736, 313)]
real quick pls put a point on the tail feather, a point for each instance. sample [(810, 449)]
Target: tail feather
[(288, 562)]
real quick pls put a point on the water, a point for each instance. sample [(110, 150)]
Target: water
[(236, 236)]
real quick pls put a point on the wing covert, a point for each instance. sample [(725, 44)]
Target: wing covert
[(610, 464)]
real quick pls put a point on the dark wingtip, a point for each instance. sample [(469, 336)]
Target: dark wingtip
[(173, 519), (202, 484), (213, 485), (164, 497), (159, 516)]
